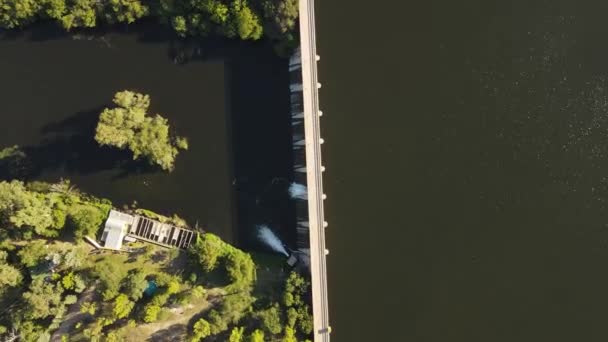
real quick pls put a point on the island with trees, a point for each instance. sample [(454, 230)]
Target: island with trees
[(128, 126)]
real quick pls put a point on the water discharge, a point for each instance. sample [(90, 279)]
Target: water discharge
[(298, 191), (267, 235)]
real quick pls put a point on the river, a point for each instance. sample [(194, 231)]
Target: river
[(467, 160), (466, 153), (229, 98)]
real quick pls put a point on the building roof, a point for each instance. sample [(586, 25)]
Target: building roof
[(116, 228), (114, 238)]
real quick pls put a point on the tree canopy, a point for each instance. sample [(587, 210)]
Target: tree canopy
[(236, 334), (282, 15), (257, 336), (202, 329), (10, 276), (129, 126), (242, 19)]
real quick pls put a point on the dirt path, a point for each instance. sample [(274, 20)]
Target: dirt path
[(174, 327), (73, 316)]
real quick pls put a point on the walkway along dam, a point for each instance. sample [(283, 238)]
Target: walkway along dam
[(307, 110)]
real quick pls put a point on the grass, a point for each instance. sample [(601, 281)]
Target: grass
[(144, 256)]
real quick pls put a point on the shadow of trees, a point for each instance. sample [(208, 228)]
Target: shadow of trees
[(70, 145), (260, 113), (175, 332)]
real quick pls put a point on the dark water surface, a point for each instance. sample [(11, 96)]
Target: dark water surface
[(229, 99), (467, 169)]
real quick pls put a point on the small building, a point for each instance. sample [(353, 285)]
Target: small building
[(117, 226), (120, 226)]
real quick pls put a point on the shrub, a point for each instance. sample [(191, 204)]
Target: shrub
[(86, 221), (136, 284), (70, 299), (151, 312), (271, 319), (122, 306), (202, 329)]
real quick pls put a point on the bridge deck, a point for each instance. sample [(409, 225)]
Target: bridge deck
[(314, 173)]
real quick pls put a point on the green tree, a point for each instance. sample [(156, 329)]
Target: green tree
[(290, 335), (230, 311), (42, 300), (257, 336), (151, 312), (292, 317), (111, 276), (13, 196), (33, 253), (236, 335), (9, 276), (136, 284), (248, 23), (271, 319), (80, 13), (127, 126), (288, 299), (88, 307), (122, 306), (28, 330), (68, 281), (305, 321), (297, 286), (281, 14), (23, 208), (179, 25), (70, 299), (55, 8), (240, 267), (202, 329), (198, 292), (15, 13), (86, 221), (125, 11), (35, 214), (208, 248)]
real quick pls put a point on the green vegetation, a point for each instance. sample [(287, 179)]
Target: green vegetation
[(280, 23), (231, 18), (43, 210), (202, 329), (128, 126), (237, 334), (257, 336), (47, 273)]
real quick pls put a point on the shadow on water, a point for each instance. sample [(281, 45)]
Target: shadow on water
[(69, 145), (148, 31), (262, 144)]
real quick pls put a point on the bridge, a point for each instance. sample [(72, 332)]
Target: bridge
[(314, 169)]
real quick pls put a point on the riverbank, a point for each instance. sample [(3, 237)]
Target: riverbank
[(46, 267)]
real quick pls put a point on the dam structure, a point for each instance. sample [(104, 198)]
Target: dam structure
[(307, 188)]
